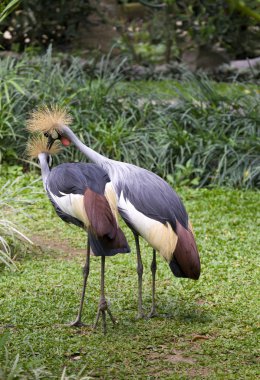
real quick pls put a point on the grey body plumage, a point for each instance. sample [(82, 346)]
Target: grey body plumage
[(154, 198), (146, 202), (76, 178), (148, 192), (78, 194), (141, 193)]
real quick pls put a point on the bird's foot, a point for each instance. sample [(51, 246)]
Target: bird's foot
[(140, 314), (78, 323), (102, 310), (152, 313)]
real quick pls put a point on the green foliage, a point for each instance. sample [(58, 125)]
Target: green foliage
[(7, 7), (13, 99), (180, 26), (154, 34), (214, 135), (11, 235), (39, 23), (197, 132), (206, 329), (248, 8)]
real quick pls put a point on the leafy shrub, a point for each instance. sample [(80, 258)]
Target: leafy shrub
[(199, 136), (10, 233), (178, 26), (214, 136), (6, 7), (154, 34), (39, 23)]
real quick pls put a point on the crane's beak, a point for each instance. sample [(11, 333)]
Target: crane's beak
[(50, 142)]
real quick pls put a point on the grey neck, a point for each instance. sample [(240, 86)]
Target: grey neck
[(44, 168), (88, 152)]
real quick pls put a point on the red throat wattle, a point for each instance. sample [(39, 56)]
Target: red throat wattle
[(65, 141)]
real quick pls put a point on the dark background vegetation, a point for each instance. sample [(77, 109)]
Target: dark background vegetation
[(145, 32), (201, 133)]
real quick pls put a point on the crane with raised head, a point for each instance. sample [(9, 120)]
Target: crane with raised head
[(82, 194), (147, 203)]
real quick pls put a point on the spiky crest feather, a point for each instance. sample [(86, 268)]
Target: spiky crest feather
[(38, 144), (47, 119)]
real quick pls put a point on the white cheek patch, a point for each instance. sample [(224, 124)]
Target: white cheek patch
[(160, 236), (54, 135), (72, 204)]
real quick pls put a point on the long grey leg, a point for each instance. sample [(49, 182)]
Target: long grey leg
[(103, 307), (140, 277), (77, 321), (153, 269)]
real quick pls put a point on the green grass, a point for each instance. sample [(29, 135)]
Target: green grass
[(37, 301), (169, 89)]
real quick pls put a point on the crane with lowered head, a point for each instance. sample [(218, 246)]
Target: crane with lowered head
[(82, 194), (147, 203)]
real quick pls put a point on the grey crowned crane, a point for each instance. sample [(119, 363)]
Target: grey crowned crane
[(148, 204), (82, 194)]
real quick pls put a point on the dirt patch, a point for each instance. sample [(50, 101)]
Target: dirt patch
[(177, 357), (200, 302), (162, 374), (201, 372), (61, 245), (173, 357)]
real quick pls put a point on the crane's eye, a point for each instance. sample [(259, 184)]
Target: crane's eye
[(54, 135)]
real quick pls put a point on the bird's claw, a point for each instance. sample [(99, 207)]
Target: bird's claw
[(77, 323), (152, 314), (103, 309), (140, 315)]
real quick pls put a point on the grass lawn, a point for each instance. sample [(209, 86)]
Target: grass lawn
[(206, 329), (171, 89)]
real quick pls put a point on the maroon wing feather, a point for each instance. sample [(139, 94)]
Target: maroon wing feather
[(102, 221), (109, 238)]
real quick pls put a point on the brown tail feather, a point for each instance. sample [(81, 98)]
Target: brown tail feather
[(186, 260), (107, 247)]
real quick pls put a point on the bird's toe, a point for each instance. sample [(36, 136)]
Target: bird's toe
[(152, 314), (140, 315), (78, 323)]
